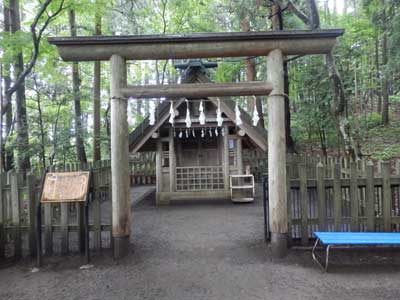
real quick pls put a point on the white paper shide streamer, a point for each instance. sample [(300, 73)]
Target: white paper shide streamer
[(256, 117), (130, 120), (238, 120), (188, 121), (219, 114), (152, 116), (171, 113), (202, 117)]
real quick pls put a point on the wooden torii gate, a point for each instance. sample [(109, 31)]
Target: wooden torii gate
[(273, 44)]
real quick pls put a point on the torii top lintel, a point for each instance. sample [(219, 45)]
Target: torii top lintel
[(196, 45)]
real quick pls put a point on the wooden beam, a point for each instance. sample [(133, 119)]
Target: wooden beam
[(198, 90), (224, 44), (277, 156), (121, 207)]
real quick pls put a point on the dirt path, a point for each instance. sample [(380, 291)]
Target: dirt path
[(202, 251)]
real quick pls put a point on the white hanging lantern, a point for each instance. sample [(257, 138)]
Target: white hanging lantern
[(256, 117), (130, 120), (216, 131), (188, 121), (152, 113), (202, 117), (193, 133), (223, 131), (202, 133), (180, 134), (219, 114), (171, 113), (187, 134), (238, 120), (210, 132)]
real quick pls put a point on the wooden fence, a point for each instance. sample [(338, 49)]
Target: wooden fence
[(361, 197), (143, 168), (62, 224)]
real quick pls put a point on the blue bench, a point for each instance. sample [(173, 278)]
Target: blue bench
[(331, 239)]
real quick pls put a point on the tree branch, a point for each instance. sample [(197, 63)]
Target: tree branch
[(36, 38), (295, 10)]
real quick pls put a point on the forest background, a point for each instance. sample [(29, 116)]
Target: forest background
[(343, 103)]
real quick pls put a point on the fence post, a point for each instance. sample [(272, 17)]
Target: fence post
[(337, 198), (370, 197), (96, 208), (2, 218), (303, 203), (64, 207), (387, 196), (31, 185), (354, 202), (289, 203), (320, 172), (16, 214), (81, 217)]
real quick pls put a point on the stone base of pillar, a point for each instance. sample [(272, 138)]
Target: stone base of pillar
[(121, 247), (278, 244)]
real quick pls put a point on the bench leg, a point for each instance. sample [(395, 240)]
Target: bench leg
[(317, 258)]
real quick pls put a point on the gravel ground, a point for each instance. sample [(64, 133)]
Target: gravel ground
[(204, 250)]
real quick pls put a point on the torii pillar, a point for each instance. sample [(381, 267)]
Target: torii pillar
[(121, 208), (277, 155)]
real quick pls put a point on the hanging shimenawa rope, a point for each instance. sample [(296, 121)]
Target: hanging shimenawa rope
[(171, 113), (238, 120), (130, 120), (202, 117), (256, 117), (152, 115), (188, 121)]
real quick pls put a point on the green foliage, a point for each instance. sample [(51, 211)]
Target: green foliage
[(310, 90)]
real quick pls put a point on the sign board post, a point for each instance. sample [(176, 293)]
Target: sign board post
[(64, 187)]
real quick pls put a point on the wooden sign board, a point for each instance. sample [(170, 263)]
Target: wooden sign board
[(65, 187)]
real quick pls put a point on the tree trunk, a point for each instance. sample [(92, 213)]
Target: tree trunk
[(378, 76), (80, 147), (8, 154), (385, 84), (20, 101), (251, 75), (97, 99)]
